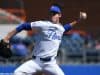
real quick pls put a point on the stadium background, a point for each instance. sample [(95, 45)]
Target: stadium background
[(79, 55)]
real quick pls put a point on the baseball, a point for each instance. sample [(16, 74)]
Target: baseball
[(83, 15)]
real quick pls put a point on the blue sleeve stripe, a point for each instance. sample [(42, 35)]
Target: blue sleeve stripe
[(24, 26), (67, 27)]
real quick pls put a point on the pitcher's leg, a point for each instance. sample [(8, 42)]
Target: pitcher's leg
[(28, 68), (53, 69)]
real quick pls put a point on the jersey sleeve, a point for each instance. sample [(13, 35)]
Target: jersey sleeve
[(23, 26), (35, 24), (67, 27)]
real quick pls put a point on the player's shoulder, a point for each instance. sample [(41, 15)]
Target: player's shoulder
[(40, 22), (35, 22)]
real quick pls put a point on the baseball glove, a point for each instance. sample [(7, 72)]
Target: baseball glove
[(5, 50)]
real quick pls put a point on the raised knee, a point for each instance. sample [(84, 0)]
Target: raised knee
[(16, 72)]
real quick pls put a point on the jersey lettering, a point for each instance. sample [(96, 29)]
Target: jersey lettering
[(53, 35)]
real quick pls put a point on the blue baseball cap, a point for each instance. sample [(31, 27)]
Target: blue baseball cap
[(55, 9)]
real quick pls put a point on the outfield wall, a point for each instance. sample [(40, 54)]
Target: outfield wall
[(81, 69), (68, 69)]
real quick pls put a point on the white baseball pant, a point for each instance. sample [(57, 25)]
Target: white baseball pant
[(32, 66)]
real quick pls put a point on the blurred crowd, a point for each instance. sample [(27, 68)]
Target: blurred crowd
[(77, 48), (74, 48)]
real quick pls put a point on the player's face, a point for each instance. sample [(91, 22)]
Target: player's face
[(55, 17)]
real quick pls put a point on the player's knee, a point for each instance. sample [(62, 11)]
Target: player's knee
[(17, 72)]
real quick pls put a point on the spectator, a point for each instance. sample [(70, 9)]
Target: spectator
[(19, 47), (97, 45)]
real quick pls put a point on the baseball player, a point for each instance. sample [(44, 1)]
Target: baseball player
[(49, 34)]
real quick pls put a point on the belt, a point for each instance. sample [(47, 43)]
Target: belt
[(43, 59)]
